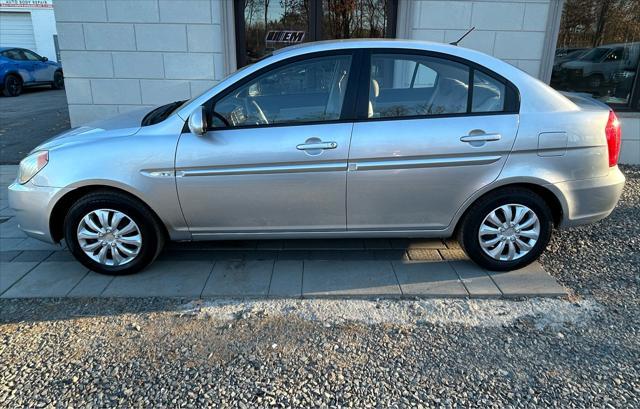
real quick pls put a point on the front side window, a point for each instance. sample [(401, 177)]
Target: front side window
[(598, 51), (412, 85), (306, 91), (31, 56)]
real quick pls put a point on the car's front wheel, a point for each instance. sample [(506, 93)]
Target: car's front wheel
[(506, 230), (58, 80), (111, 233)]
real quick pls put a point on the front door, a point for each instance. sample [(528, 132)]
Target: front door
[(275, 157), (427, 145)]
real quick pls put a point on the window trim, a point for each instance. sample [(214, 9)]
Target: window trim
[(347, 113), (512, 97)]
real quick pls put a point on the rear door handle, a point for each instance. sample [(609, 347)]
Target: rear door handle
[(316, 145), (485, 137)]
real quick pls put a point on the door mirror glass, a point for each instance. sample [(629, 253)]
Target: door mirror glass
[(197, 122), (45, 59)]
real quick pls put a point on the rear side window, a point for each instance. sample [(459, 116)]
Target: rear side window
[(14, 55), (413, 85), (410, 85), (489, 94)]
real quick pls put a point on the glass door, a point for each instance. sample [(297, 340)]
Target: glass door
[(263, 26)]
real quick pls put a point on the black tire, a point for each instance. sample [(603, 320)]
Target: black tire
[(58, 80), (12, 86), (150, 230), (471, 222)]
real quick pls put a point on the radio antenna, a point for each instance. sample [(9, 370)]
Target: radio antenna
[(463, 36)]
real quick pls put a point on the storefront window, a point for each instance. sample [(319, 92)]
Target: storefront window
[(271, 24), (357, 19), (263, 26), (598, 50)]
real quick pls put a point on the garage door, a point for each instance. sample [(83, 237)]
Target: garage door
[(16, 30)]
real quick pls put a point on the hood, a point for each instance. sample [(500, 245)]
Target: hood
[(120, 125)]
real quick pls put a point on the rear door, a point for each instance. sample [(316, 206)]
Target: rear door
[(429, 140)]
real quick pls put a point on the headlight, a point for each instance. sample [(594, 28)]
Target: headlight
[(31, 165)]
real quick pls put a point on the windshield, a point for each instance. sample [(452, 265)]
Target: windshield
[(595, 55)]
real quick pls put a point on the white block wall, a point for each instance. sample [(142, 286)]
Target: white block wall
[(630, 148), (119, 55), (512, 30)]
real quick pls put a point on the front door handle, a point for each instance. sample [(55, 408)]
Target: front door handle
[(316, 145), (483, 137)]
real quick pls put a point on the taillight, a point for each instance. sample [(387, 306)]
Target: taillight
[(614, 135)]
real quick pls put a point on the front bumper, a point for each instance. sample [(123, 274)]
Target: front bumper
[(33, 205), (590, 200)]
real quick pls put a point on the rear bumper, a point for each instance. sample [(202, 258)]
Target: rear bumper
[(590, 200), (33, 205)]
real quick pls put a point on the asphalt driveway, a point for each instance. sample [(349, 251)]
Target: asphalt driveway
[(25, 121)]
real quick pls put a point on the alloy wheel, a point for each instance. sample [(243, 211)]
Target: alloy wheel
[(509, 232), (109, 237)]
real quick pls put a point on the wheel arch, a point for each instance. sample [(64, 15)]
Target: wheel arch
[(552, 197), (15, 74), (60, 209)]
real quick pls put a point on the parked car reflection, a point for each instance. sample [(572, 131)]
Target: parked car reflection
[(606, 72)]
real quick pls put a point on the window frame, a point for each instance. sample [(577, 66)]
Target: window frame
[(512, 98), (347, 114), (634, 99)]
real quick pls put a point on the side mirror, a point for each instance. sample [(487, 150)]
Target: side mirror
[(198, 122), (45, 59)]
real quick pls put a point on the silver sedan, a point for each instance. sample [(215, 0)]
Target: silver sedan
[(364, 138)]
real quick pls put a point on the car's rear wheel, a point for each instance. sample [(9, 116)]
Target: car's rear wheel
[(506, 230), (58, 80), (111, 233), (12, 86)]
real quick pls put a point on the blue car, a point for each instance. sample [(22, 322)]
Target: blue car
[(22, 68)]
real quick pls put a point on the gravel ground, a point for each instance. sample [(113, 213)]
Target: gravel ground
[(580, 352)]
